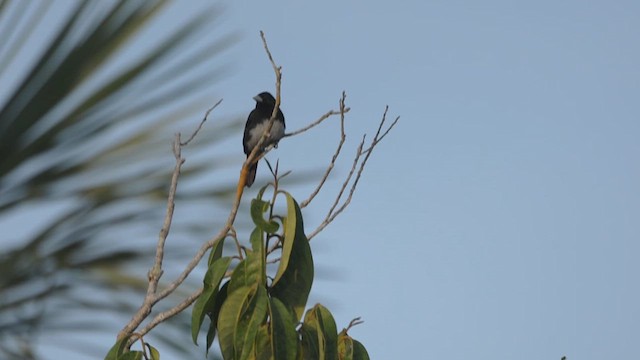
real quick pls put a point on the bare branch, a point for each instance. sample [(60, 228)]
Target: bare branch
[(156, 271), (278, 73), (354, 322), (253, 156), (276, 68), (171, 312), (153, 296), (256, 154), (334, 211), (277, 245), (329, 218), (379, 137), (201, 123), (343, 137), (322, 118)]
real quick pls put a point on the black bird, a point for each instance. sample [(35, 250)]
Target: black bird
[(255, 127)]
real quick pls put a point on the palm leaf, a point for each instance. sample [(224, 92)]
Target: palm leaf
[(84, 145)]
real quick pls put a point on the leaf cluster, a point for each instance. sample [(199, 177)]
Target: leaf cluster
[(256, 316)]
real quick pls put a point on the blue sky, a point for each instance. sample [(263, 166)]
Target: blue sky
[(500, 219)]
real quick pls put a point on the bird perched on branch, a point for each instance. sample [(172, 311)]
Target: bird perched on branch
[(256, 125)]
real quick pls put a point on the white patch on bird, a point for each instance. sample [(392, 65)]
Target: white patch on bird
[(277, 132)]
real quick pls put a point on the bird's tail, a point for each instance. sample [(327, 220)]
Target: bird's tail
[(251, 174)]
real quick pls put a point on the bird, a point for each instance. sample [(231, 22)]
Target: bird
[(256, 122)]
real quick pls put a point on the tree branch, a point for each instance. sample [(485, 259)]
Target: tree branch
[(256, 154), (253, 156), (322, 118), (155, 273), (343, 137), (171, 312), (206, 115), (334, 211), (153, 295)]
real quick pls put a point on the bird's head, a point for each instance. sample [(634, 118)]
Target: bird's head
[(265, 98)]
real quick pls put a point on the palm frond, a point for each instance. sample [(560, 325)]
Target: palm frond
[(78, 131)]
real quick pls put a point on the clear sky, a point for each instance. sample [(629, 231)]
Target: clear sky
[(501, 218)]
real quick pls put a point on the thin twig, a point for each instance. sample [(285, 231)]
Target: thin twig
[(275, 189), (234, 235), (334, 211), (276, 246), (197, 130), (278, 73), (346, 181), (276, 68), (234, 210), (330, 213), (354, 322), (171, 312), (156, 271), (256, 154), (374, 142), (200, 254), (343, 137), (322, 118), (153, 296), (378, 137)]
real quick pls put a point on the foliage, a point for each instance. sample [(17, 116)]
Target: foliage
[(256, 316), (83, 143)]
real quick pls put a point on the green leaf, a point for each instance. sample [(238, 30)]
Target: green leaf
[(257, 241), (261, 191), (216, 271), (248, 272), (283, 331), (216, 251), (206, 301), (262, 349), (258, 208), (155, 354), (259, 254), (290, 231), (230, 315), (213, 316), (320, 322), (345, 347), (117, 349), (253, 317), (132, 355), (329, 330), (198, 313), (309, 347), (294, 277), (359, 351), (350, 349)]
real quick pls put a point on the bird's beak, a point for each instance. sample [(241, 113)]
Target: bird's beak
[(257, 98)]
